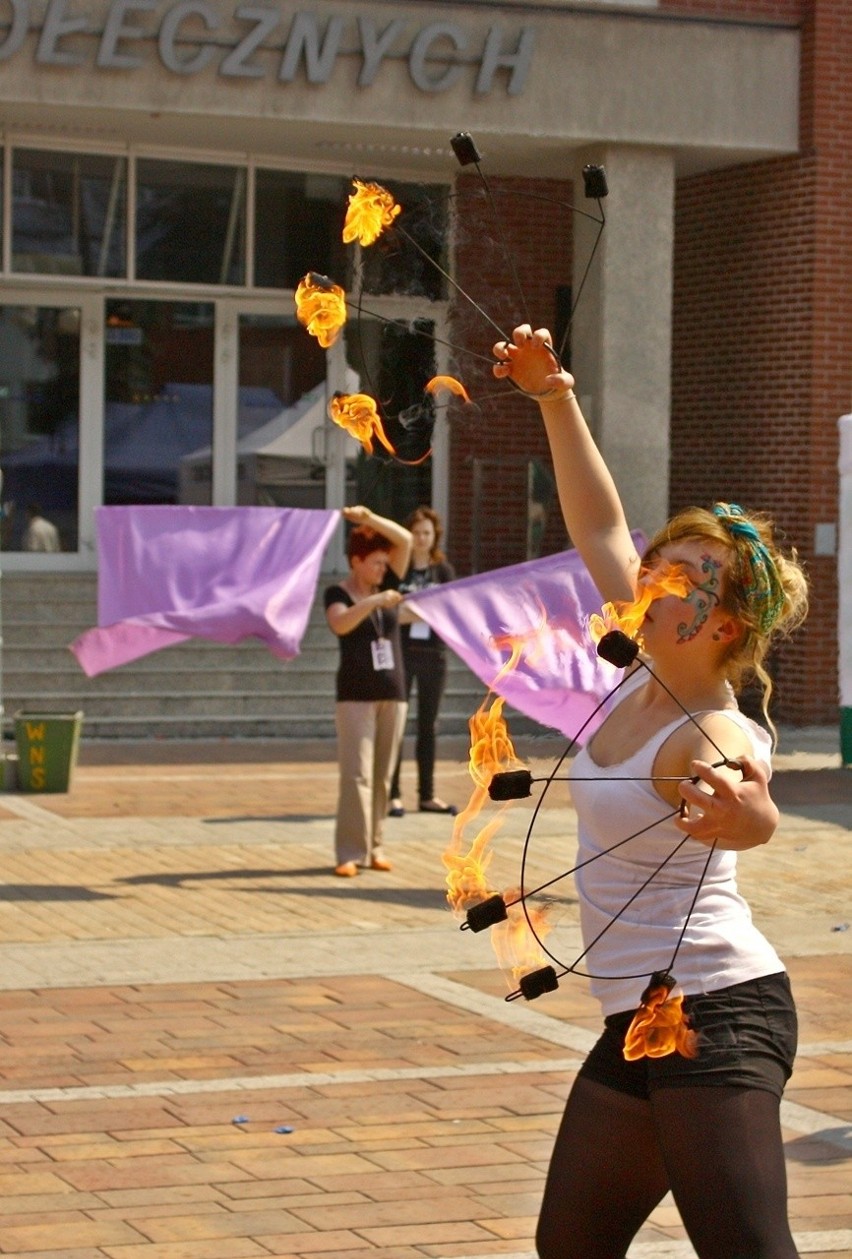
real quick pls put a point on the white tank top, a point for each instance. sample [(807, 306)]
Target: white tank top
[(720, 946)]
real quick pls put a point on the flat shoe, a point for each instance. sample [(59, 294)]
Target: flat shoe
[(432, 806), (380, 863), (396, 810), (347, 870)]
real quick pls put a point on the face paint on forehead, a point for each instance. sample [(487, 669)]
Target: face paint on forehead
[(703, 598)]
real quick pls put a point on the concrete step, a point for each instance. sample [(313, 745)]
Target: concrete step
[(194, 690)]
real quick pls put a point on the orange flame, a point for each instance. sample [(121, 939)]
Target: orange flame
[(371, 210), (663, 579), (491, 748), (517, 949), (450, 383), (466, 881), (515, 643), (491, 752), (358, 414), (659, 1026), (321, 307)]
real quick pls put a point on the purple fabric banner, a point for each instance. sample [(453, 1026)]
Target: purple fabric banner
[(167, 574), (543, 606)]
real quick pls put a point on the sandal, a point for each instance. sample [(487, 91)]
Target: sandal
[(437, 806)]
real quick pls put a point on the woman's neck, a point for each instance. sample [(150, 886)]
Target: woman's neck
[(421, 559), (357, 588)]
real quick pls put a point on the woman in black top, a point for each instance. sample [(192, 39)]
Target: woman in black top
[(371, 703), (425, 659)]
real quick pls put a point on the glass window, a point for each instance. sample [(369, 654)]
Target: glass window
[(281, 414), (39, 426), (158, 404), (68, 213), (393, 361), (298, 227), (190, 222), (409, 257)]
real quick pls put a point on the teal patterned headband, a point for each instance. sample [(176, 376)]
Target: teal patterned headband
[(763, 589)]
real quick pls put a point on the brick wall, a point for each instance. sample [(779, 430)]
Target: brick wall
[(762, 355), (513, 251), (745, 10), (762, 339)]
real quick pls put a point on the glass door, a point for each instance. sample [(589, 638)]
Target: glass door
[(281, 400), (158, 401), (40, 425)]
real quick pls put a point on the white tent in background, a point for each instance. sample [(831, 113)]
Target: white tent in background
[(280, 460)]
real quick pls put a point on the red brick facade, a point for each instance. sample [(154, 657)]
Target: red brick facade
[(762, 342), (762, 354)]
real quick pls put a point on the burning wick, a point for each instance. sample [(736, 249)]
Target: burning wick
[(512, 784), (486, 914), (536, 984), (618, 649), (660, 1026)]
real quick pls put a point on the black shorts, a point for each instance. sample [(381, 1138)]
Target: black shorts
[(746, 1037)]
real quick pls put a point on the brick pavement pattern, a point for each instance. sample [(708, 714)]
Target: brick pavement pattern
[(212, 1048)]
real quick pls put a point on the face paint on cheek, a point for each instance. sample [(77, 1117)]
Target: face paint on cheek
[(703, 598)]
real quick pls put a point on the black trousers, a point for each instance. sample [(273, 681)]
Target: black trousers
[(428, 667)]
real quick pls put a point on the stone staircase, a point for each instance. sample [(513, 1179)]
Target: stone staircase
[(196, 690)]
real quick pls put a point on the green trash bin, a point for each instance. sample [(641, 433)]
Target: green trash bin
[(47, 749)]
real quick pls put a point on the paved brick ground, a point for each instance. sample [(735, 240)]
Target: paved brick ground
[(212, 1048)]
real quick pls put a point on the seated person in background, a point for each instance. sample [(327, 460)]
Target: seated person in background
[(40, 534)]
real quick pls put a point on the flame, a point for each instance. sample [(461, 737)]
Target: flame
[(371, 210), (518, 950), (466, 881), (358, 414), (321, 307), (515, 643), (447, 382), (659, 1026), (491, 748), (663, 579), (491, 751)]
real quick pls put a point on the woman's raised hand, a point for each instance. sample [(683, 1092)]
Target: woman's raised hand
[(530, 362)]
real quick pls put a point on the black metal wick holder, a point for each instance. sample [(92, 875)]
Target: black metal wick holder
[(511, 784)]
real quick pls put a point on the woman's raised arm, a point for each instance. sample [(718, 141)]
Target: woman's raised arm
[(591, 507)]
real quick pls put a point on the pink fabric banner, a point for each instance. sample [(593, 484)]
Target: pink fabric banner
[(167, 574), (542, 606)]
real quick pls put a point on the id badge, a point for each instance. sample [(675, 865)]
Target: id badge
[(419, 630), (382, 653)]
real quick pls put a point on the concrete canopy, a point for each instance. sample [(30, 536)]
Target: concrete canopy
[(383, 86)]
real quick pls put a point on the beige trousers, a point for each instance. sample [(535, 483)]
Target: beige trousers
[(368, 740)]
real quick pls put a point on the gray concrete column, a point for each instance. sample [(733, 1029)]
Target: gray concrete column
[(621, 334)]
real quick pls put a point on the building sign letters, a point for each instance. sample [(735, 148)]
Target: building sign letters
[(186, 37)]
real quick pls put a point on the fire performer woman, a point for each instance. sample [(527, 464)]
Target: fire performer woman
[(371, 701), (706, 1126)]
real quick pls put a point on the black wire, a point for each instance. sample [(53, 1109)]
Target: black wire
[(524, 895), (506, 250)]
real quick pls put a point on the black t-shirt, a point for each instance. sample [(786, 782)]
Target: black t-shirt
[(357, 677), (418, 636)]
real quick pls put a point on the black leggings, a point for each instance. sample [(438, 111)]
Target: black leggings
[(429, 667), (718, 1149)]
